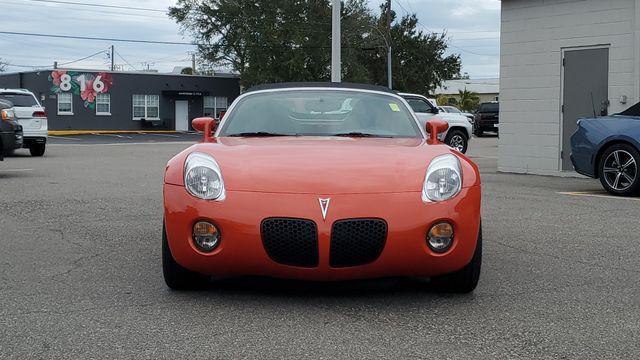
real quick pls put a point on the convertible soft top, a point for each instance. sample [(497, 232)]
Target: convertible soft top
[(320, 84)]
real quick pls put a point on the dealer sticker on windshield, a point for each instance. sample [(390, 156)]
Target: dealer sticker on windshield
[(394, 107)]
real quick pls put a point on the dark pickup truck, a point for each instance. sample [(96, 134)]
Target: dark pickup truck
[(10, 130), (486, 118)]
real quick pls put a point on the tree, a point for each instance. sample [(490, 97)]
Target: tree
[(3, 65), (419, 61), (446, 100), (277, 41), (187, 71), (468, 100)]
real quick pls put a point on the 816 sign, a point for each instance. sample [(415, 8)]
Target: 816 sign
[(65, 83)]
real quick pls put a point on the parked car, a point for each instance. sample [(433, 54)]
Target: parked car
[(487, 118), (31, 115), (460, 130), (293, 185), (608, 148), (455, 110), (10, 130)]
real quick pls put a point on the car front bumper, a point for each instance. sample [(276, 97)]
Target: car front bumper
[(241, 250)]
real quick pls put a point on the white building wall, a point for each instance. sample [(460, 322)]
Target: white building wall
[(534, 34)]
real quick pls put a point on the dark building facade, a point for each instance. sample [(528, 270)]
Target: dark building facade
[(101, 100)]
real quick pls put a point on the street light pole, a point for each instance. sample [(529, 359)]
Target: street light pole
[(389, 64), (336, 61)]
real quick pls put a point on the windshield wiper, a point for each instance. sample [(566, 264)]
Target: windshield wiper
[(256, 134), (360, 134)]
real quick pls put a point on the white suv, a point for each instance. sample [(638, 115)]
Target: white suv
[(460, 129), (31, 115)]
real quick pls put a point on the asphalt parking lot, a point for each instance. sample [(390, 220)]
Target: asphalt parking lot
[(81, 278)]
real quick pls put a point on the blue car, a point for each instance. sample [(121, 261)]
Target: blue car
[(608, 148)]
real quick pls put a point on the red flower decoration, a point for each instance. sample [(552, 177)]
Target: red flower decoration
[(88, 95), (56, 74), (107, 80)]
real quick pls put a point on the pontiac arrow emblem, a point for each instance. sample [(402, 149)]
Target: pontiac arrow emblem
[(324, 206)]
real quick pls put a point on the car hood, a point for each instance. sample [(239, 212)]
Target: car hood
[(322, 165)]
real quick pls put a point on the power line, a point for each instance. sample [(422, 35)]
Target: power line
[(84, 58), (126, 13), (434, 32), (125, 61), (96, 38), (99, 5), (284, 46), (28, 66)]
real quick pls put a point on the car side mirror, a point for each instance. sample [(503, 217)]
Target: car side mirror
[(205, 124), (435, 127)]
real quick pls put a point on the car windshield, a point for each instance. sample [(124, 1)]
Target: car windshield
[(316, 112), (451, 109), (20, 100), (489, 107)]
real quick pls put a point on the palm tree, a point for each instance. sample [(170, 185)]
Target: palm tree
[(469, 100)]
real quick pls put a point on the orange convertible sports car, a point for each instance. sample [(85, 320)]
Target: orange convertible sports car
[(321, 182)]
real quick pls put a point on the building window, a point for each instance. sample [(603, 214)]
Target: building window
[(103, 104), (209, 106), (214, 105), (65, 104), (146, 107)]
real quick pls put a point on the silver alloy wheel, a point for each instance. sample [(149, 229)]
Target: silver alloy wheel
[(620, 170), (457, 142)]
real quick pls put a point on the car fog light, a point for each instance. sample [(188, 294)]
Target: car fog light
[(206, 236), (440, 237)]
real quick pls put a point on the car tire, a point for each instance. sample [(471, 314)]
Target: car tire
[(478, 132), (619, 170), (458, 140), (175, 275), (464, 280), (37, 149)]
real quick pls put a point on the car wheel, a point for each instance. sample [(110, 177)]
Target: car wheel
[(618, 170), (457, 140), (175, 275), (37, 149), (464, 280), (478, 132)]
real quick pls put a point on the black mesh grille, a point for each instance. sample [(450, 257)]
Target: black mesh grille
[(291, 241), (357, 241)]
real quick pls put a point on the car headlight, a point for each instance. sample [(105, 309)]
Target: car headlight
[(203, 178), (443, 180)]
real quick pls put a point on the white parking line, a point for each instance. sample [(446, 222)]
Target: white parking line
[(15, 170), (129, 144), (164, 135), (64, 138), (597, 194), (115, 135)]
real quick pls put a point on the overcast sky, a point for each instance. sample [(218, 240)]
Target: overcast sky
[(473, 27)]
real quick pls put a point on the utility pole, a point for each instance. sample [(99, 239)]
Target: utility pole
[(113, 64), (193, 64), (336, 61), (389, 63)]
